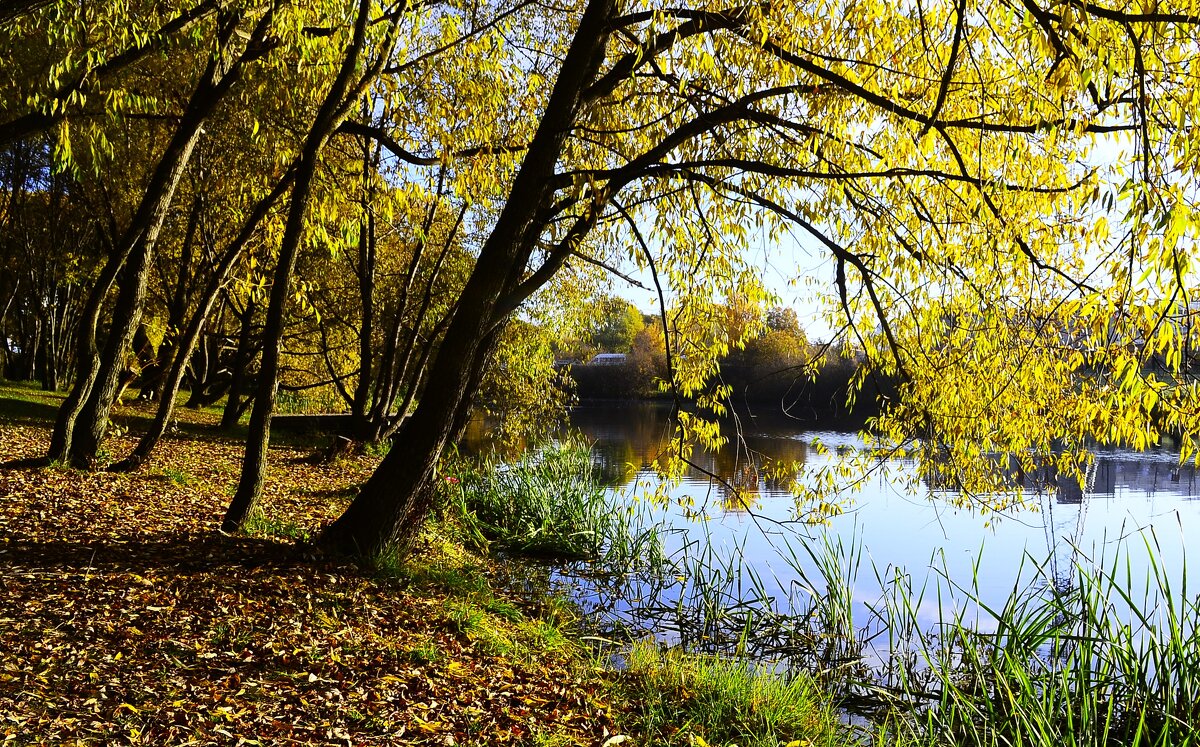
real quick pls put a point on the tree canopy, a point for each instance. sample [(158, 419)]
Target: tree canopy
[(1004, 192)]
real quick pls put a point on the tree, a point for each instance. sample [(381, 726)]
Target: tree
[(648, 357), (350, 83), (957, 165), (616, 326), (83, 418), (938, 156)]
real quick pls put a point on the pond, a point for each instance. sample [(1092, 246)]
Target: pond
[(1138, 510)]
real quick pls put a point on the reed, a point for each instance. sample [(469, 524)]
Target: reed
[(550, 502), (1101, 658), (1109, 659)]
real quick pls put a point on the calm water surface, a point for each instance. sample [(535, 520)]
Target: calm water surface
[(1133, 501)]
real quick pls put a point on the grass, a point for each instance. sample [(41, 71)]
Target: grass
[(1105, 658), (261, 525), (548, 503), (1111, 659), (177, 476), (690, 699)]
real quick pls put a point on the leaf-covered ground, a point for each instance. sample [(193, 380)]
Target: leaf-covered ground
[(127, 618)]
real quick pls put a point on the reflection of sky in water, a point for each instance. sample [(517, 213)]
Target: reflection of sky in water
[(931, 541)]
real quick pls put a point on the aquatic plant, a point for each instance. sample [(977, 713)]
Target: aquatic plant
[(1111, 659), (549, 502), (694, 699)]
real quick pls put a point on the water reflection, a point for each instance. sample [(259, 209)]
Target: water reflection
[(744, 525)]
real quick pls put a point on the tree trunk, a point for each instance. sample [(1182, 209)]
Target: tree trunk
[(94, 403), (86, 361), (242, 357), (92, 422), (186, 344), (342, 93), (49, 344), (366, 330), (392, 505)]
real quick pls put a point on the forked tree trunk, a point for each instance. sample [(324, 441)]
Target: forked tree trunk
[(394, 503), (92, 422), (87, 361), (86, 399)]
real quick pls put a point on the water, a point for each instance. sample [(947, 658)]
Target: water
[(1140, 508)]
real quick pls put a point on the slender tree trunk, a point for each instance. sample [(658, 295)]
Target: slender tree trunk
[(87, 363), (392, 505), (35, 350), (154, 376), (254, 463), (366, 330), (186, 344), (344, 91), (242, 357), (140, 239), (49, 371), (203, 365), (5, 353)]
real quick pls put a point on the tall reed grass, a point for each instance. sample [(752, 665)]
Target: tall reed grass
[(1110, 658), (550, 502)]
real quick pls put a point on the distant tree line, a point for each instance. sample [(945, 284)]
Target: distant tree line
[(777, 365)]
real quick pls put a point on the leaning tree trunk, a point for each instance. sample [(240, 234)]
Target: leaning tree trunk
[(217, 80), (186, 344), (392, 505), (87, 361), (333, 110), (92, 422)]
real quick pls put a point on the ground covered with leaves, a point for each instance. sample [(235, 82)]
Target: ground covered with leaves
[(127, 618)]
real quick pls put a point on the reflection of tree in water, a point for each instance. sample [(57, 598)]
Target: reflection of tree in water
[(628, 438), (1111, 474)]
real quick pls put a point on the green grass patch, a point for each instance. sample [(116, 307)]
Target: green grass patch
[(177, 476), (261, 525), (25, 401), (675, 698)]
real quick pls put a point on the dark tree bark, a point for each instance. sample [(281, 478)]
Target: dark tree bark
[(87, 361), (90, 421), (186, 344), (395, 501), (240, 383), (333, 110)]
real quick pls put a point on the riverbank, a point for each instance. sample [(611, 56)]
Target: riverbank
[(126, 618)]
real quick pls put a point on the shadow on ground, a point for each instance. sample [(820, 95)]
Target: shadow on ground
[(179, 551)]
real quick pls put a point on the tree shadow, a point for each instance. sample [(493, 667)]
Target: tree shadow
[(26, 463), (183, 552), (25, 410)]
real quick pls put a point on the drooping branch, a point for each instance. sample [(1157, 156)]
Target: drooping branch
[(39, 121)]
